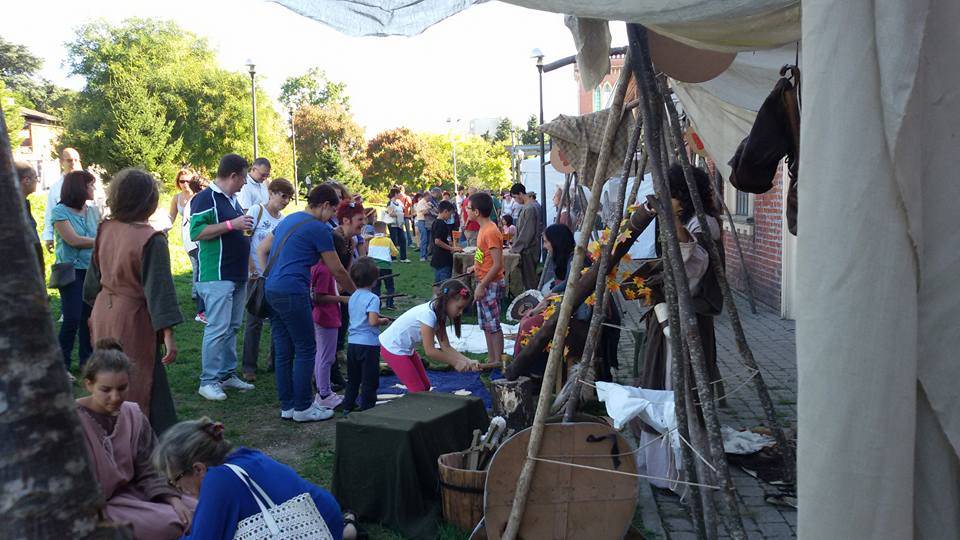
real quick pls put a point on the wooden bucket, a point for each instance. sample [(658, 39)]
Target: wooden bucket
[(461, 491)]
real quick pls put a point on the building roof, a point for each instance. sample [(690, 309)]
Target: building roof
[(30, 113)]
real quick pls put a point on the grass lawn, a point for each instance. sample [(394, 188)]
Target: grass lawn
[(252, 418)]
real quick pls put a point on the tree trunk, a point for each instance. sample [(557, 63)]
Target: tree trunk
[(48, 488)]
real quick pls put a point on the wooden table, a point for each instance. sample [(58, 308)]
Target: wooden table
[(511, 270)]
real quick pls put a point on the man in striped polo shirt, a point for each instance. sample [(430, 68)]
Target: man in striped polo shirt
[(217, 225)]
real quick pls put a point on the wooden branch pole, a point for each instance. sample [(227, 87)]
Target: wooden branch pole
[(641, 169), (745, 352), (564, 315), (688, 321), (600, 292)]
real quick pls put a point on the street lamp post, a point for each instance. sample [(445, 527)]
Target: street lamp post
[(543, 164), (293, 138), (253, 97)]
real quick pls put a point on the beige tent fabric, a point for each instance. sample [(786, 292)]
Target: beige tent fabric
[(877, 327)]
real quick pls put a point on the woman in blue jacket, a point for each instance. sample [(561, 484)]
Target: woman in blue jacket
[(194, 456)]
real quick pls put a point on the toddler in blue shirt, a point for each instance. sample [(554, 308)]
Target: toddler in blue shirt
[(363, 338)]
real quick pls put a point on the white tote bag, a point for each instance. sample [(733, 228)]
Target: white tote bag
[(296, 519)]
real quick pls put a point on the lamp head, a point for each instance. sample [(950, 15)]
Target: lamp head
[(251, 67), (538, 54)]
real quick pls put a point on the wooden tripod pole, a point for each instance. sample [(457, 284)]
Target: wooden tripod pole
[(745, 352), (565, 313), (688, 320), (641, 169), (600, 294)]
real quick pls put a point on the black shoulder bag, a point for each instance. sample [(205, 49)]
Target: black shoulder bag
[(256, 292)]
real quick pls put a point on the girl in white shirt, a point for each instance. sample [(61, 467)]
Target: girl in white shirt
[(427, 324)]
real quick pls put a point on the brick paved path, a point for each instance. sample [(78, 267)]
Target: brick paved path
[(773, 341)]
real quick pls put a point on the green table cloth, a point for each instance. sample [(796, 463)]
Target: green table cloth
[(385, 466)]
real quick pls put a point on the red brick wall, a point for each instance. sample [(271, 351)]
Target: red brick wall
[(586, 96), (762, 251)]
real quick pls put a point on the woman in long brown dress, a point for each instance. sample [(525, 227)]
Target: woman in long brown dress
[(131, 289)]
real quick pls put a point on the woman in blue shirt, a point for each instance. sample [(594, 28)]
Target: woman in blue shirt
[(194, 457), (288, 293), (74, 231)]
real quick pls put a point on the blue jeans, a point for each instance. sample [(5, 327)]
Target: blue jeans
[(442, 274), (195, 265), (396, 235), (76, 313), (424, 238), (408, 228), (224, 301), (363, 376), (294, 348)]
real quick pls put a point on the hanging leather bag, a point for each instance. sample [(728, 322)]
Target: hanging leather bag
[(256, 291)]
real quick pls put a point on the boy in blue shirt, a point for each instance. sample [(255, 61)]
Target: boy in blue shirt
[(363, 338)]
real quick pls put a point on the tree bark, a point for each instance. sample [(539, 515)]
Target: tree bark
[(48, 488), (745, 352), (653, 101)]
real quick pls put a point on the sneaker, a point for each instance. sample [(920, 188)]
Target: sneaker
[(71, 378), (286, 414), (332, 401), (312, 413), (201, 318), (404, 260), (213, 392), (235, 382), (250, 377)]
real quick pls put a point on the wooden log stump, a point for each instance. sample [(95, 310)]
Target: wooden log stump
[(515, 401)]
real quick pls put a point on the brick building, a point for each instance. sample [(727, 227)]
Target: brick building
[(768, 248)]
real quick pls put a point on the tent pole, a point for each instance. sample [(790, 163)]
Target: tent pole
[(600, 293), (524, 481), (641, 169), (747, 280), (745, 352), (654, 137)]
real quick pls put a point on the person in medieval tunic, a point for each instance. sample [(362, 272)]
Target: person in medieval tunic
[(707, 302), (119, 443), (131, 290)]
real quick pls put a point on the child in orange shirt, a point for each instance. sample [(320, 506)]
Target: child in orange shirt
[(488, 269)]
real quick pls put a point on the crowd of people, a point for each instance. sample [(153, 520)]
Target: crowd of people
[(321, 270)]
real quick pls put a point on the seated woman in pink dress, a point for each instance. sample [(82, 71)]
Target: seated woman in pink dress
[(120, 442)]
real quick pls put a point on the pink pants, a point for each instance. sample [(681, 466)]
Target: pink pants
[(409, 369), (326, 354)]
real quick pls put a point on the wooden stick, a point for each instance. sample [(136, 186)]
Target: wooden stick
[(748, 282), (565, 313), (652, 100), (458, 276), (745, 352), (641, 171), (600, 292)]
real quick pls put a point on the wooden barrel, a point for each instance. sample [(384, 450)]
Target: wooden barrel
[(461, 491)]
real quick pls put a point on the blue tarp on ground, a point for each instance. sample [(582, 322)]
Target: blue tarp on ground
[(446, 382)]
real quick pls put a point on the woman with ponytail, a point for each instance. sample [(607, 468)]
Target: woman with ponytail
[(199, 461)]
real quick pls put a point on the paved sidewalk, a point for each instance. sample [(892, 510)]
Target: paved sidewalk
[(773, 341)]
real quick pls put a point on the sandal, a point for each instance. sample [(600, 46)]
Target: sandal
[(350, 518)]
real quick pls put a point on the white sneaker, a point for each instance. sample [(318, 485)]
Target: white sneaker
[(235, 382), (213, 392), (286, 414), (312, 413)]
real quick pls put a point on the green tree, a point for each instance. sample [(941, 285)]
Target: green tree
[(313, 88), (395, 156), (18, 70), (206, 107), (330, 145), (480, 163), (503, 131), (11, 111), (531, 135)]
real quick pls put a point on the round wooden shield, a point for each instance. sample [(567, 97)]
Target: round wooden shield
[(564, 501), (560, 161), (685, 63)]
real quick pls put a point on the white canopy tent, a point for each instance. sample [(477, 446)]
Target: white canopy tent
[(879, 245)]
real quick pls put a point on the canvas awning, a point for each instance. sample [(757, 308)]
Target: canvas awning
[(879, 249)]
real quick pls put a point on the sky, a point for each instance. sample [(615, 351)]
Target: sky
[(475, 64)]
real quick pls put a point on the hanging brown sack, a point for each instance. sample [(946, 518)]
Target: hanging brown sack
[(775, 134)]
